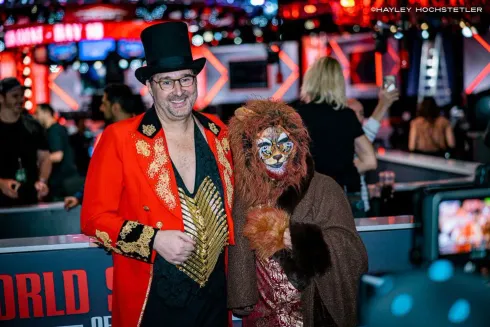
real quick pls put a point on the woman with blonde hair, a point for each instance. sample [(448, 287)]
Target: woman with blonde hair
[(336, 133)]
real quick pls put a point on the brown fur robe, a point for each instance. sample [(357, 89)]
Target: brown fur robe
[(319, 206)]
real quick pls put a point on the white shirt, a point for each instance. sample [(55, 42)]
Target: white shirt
[(371, 128)]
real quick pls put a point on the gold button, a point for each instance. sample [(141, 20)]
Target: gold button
[(159, 224), (146, 208)]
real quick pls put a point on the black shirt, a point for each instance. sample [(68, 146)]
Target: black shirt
[(174, 298), (333, 133), (486, 137), (81, 143), (19, 143), (58, 140)]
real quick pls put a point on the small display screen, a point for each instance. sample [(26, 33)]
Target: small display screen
[(130, 49), (248, 75), (59, 53), (464, 226), (96, 50)]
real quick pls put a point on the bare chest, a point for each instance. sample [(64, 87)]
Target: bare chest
[(183, 155)]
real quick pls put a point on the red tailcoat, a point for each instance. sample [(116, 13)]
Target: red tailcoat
[(131, 193)]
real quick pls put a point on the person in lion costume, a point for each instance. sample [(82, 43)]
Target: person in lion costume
[(298, 257)]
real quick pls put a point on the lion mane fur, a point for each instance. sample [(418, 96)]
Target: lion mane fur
[(254, 186)]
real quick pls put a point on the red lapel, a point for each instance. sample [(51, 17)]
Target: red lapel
[(152, 154)]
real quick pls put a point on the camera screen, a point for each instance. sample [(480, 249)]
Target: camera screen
[(464, 225)]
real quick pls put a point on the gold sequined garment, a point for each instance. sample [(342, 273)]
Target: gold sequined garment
[(204, 221)]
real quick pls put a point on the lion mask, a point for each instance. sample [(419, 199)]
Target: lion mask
[(270, 146)]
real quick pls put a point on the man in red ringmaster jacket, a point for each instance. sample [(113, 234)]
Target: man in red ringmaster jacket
[(158, 195)]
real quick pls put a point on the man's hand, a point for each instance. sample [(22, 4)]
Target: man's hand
[(71, 202), (9, 188), (42, 189), (174, 246), (386, 98), (287, 239)]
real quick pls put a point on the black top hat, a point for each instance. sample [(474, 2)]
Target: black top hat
[(167, 49)]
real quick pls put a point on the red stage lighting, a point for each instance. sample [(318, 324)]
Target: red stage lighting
[(309, 9), (348, 3)]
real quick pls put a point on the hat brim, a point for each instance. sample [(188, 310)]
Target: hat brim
[(145, 73)]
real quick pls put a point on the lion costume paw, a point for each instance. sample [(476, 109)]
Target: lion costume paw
[(264, 229)]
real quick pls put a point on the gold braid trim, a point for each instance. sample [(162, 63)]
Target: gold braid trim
[(127, 229), (106, 241), (227, 172), (141, 246)]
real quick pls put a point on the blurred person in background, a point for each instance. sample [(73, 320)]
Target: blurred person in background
[(371, 127), (486, 136), (335, 132), (431, 133), (461, 126), (25, 166), (64, 179), (118, 103), (81, 142)]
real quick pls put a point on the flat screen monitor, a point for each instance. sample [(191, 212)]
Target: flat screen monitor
[(456, 224), (59, 53), (95, 50), (464, 225), (248, 74), (130, 49)]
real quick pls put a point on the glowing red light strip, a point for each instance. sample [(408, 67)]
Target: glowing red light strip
[(291, 78), (485, 71), (478, 79), (396, 67), (378, 61), (342, 58), (221, 81), (482, 42)]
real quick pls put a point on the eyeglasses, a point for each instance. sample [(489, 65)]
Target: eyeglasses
[(169, 83)]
